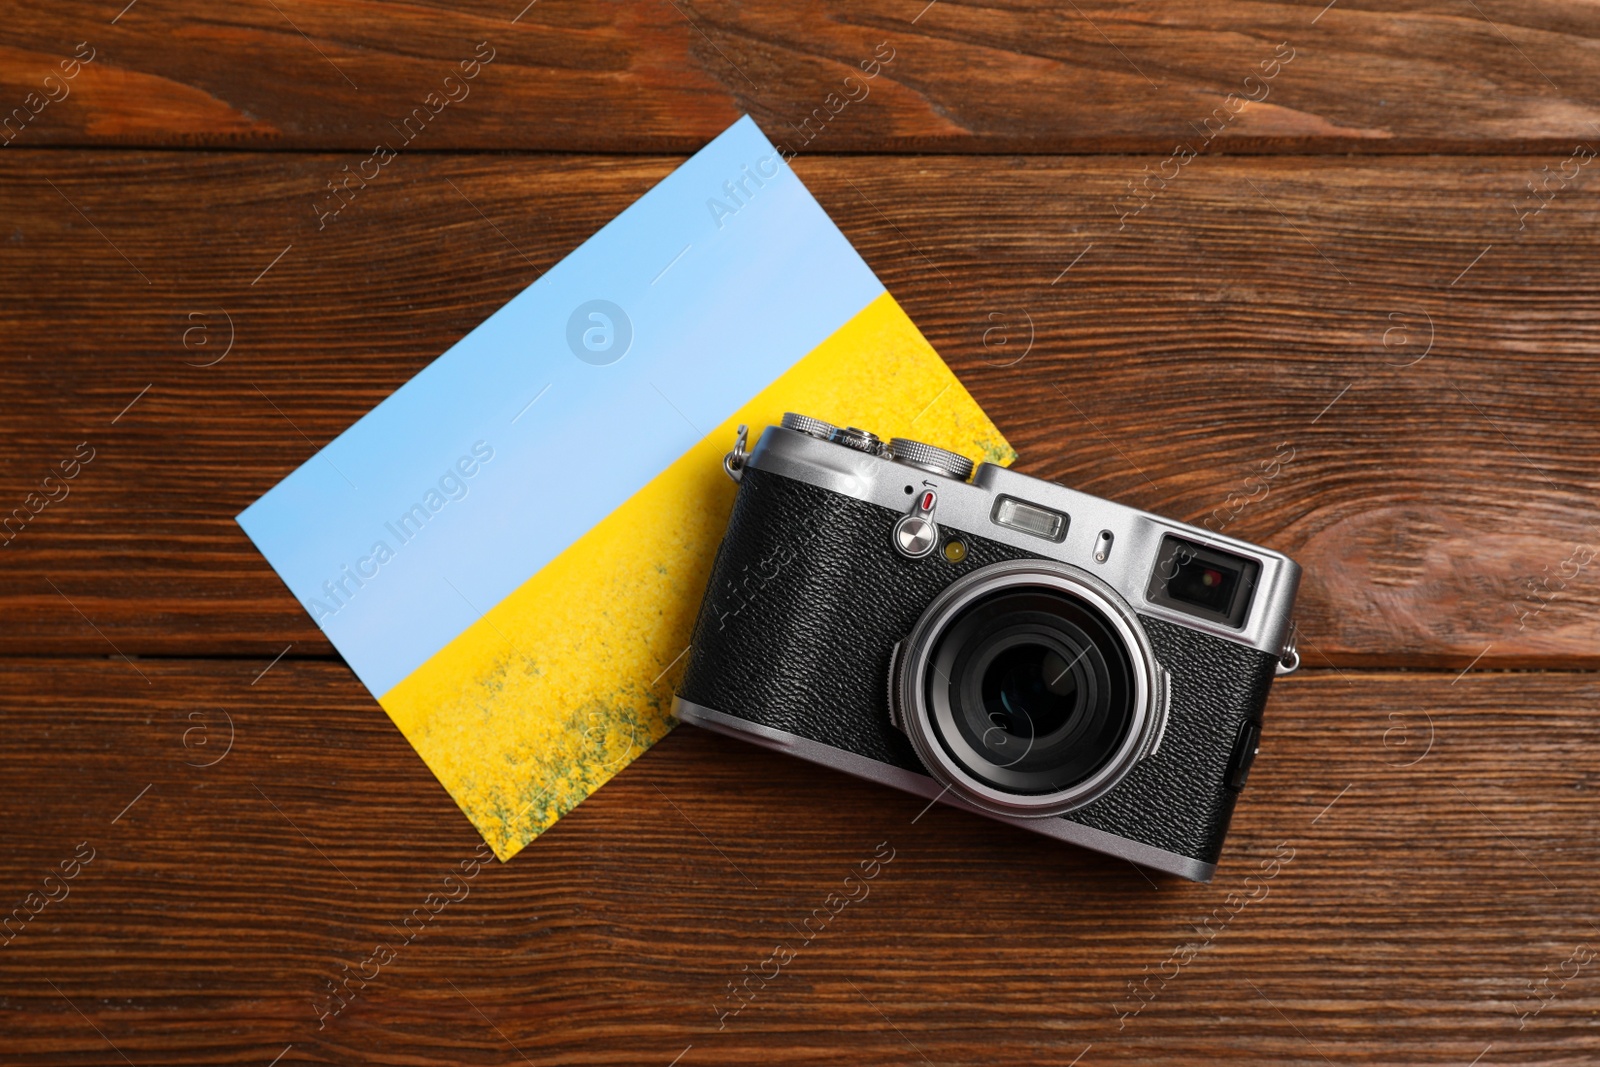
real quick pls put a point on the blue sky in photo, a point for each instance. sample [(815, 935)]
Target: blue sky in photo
[(718, 312)]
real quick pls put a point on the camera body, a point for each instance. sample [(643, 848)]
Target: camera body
[(1044, 657)]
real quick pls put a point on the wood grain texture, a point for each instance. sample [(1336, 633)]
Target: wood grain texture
[(1434, 845), (1387, 366), (1373, 365), (665, 75)]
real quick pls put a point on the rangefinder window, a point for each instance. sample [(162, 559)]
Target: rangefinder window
[(1204, 582)]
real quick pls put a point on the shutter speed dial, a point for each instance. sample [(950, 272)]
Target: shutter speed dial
[(902, 450), (805, 424), (930, 459)]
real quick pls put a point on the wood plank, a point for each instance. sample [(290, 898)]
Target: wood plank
[(1441, 836), (665, 77), (1251, 352)]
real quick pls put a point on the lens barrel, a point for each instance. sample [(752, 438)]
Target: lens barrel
[(1029, 688)]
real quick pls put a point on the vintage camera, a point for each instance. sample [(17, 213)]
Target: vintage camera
[(1078, 668)]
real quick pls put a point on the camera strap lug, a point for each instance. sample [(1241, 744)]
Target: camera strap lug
[(1289, 658), (733, 463)]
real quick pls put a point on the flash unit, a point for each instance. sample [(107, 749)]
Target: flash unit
[(1030, 518)]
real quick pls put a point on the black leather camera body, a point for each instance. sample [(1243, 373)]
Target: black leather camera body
[(1044, 657)]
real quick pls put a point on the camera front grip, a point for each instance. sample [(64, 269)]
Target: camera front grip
[(1060, 827)]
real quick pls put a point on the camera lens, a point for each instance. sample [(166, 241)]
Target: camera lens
[(1031, 691), (1029, 688)]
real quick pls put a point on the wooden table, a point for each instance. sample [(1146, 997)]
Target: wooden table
[(1378, 254)]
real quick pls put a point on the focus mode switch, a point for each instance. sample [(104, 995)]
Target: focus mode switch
[(1245, 747)]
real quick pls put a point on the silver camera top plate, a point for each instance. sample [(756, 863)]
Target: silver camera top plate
[(969, 506)]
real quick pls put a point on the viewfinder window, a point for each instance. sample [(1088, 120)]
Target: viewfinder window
[(1207, 583)]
